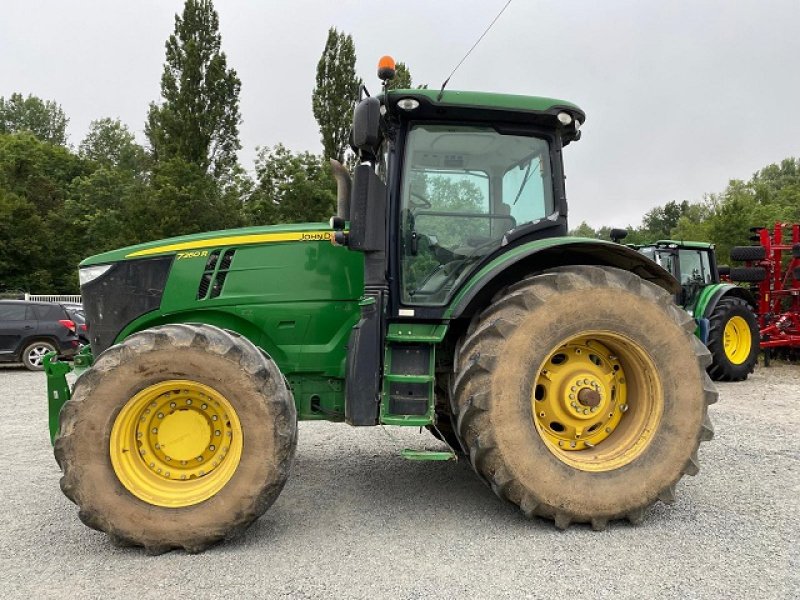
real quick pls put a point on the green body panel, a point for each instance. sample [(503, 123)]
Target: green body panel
[(298, 300), (207, 239), (510, 102)]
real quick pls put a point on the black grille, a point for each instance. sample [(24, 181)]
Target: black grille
[(126, 291), (205, 282), (212, 260), (227, 259), (221, 271), (216, 290)]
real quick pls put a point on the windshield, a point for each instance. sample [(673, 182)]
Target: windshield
[(464, 187)]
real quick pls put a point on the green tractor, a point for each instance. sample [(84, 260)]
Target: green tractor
[(444, 294), (724, 312)]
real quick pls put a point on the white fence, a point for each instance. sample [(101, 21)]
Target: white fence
[(45, 298)]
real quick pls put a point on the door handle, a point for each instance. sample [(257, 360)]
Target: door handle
[(28, 326)]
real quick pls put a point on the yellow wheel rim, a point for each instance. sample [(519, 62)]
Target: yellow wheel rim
[(176, 443), (597, 401), (737, 340)]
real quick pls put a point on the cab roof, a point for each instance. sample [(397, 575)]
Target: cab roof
[(680, 244), (490, 106)]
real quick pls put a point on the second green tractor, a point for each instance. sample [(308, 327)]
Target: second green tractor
[(444, 294), (724, 312)]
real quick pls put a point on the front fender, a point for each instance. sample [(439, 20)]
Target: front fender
[(547, 253)]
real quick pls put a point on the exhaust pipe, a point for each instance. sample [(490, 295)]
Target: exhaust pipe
[(343, 185)]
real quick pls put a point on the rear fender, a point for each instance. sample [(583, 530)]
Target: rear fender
[(714, 293), (545, 254)]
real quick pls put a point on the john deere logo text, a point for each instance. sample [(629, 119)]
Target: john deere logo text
[(316, 237)]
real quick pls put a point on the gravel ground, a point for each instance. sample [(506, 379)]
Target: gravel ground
[(358, 521)]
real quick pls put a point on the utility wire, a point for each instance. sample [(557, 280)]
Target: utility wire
[(446, 81)]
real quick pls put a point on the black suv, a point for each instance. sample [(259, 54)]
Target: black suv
[(29, 330)]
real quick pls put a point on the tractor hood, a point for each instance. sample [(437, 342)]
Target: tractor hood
[(229, 237)]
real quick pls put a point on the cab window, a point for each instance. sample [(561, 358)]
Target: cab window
[(463, 188)]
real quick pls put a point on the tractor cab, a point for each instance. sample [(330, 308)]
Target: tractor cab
[(448, 179), (693, 264)]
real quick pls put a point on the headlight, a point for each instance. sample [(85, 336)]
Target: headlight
[(87, 274)]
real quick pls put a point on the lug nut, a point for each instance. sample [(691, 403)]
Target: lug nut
[(188, 401)]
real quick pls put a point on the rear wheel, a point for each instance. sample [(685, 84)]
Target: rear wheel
[(179, 437), (733, 339), (581, 395), (34, 353)]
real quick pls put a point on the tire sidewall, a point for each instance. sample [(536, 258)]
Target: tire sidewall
[(264, 461), (587, 494), (726, 309)]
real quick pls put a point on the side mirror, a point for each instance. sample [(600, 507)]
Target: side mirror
[(367, 125), (618, 234)]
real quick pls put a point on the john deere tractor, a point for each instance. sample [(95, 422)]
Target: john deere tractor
[(444, 294), (724, 312)]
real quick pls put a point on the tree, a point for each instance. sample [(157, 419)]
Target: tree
[(40, 251), (583, 230), (336, 93), (402, 78), (661, 221), (44, 119), (291, 187), (111, 144), (198, 120)]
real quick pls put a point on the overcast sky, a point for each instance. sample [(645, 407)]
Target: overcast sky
[(680, 96)]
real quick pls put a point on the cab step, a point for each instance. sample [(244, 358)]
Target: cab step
[(409, 454)]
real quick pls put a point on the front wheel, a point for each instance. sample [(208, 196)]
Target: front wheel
[(581, 395), (733, 339), (179, 437)]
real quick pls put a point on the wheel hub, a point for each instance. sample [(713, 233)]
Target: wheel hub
[(737, 340), (176, 443), (580, 395)]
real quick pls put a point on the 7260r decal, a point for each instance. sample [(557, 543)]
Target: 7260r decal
[(192, 254)]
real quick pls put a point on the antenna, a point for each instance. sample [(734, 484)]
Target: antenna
[(446, 81)]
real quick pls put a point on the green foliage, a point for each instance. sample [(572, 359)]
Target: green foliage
[(724, 219), (291, 187), (111, 144), (402, 79), (336, 93), (39, 248), (44, 119), (198, 120), (445, 193)]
